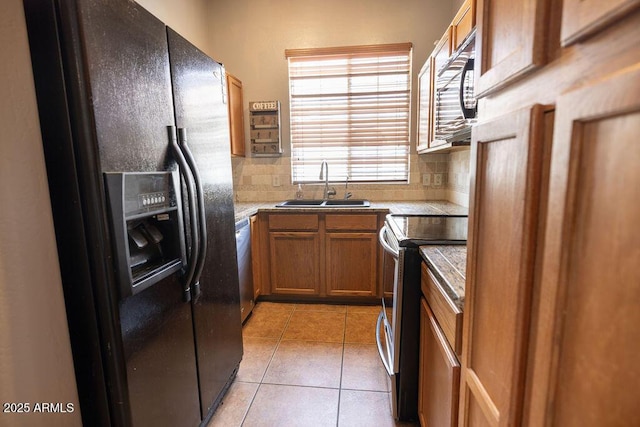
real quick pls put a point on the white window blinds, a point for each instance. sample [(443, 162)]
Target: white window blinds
[(350, 106)]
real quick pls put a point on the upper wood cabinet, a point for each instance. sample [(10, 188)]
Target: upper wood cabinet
[(512, 41), (440, 56), (581, 18), (586, 341), (507, 183), (442, 51), (236, 115), (425, 105), (463, 23)]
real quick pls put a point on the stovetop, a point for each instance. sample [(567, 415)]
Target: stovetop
[(416, 230)]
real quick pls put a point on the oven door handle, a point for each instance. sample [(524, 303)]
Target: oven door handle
[(385, 362), (386, 246)]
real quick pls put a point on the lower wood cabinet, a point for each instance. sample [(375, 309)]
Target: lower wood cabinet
[(351, 264), (294, 254), (439, 381), (321, 255), (300, 274), (351, 247)]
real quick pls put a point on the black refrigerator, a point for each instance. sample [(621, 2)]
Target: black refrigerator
[(136, 140)]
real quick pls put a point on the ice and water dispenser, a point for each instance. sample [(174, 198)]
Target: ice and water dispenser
[(147, 227)]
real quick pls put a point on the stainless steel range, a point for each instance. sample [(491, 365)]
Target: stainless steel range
[(397, 330)]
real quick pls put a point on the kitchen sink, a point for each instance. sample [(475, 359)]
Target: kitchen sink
[(347, 203), (319, 203)]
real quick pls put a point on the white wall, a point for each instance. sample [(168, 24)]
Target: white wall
[(35, 356), (187, 17), (250, 37)]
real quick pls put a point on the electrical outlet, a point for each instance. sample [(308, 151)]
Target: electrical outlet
[(426, 179), (437, 179), (275, 180)]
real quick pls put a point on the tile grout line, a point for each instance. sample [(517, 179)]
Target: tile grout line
[(267, 368), (344, 337)]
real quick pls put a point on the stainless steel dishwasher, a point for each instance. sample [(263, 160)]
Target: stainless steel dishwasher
[(245, 273)]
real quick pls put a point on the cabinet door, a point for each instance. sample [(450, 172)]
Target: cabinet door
[(351, 264), (425, 104), (581, 18), (511, 37), (236, 115), (463, 23), (439, 382), (587, 334), (295, 262), (506, 176), (440, 55)]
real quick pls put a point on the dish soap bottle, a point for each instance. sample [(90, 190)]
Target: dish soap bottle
[(299, 193)]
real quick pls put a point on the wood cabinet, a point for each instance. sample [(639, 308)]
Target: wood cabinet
[(585, 353), (512, 41), (351, 247), (440, 341), (439, 374), (463, 23), (581, 18), (442, 51), (236, 115), (508, 154), (448, 314), (294, 238), (461, 26), (326, 255), (551, 303), (425, 105), (440, 55)]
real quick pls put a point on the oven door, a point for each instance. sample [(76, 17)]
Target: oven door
[(386, 328)]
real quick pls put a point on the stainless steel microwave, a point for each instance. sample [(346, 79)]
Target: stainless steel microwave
[(455, 105)]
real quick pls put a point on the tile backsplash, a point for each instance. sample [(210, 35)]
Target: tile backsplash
[(459, 179), (258, 179)]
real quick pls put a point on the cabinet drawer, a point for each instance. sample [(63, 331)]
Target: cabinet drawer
[(449, 316), (345, 222), (293, 222)]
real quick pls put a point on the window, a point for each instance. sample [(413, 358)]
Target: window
[(350, 106)]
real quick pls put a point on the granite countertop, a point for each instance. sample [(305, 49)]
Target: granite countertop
[(448, 265), (244, 210)]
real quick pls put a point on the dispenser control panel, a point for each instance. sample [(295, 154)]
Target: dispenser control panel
[(147, 227)]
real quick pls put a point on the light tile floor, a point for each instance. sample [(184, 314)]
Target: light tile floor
[(309, 365)]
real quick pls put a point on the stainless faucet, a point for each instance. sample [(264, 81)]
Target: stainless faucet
[(324, 174), (347, 194)]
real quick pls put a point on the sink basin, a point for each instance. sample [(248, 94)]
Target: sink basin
[(318, 203), (300, 203), (347, 203)]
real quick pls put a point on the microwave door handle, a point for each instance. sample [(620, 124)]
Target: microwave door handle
[(202, 225), (193, 220), (467, 113)]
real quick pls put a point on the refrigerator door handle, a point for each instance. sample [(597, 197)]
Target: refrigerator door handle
[(193, 220), (202, 223)]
